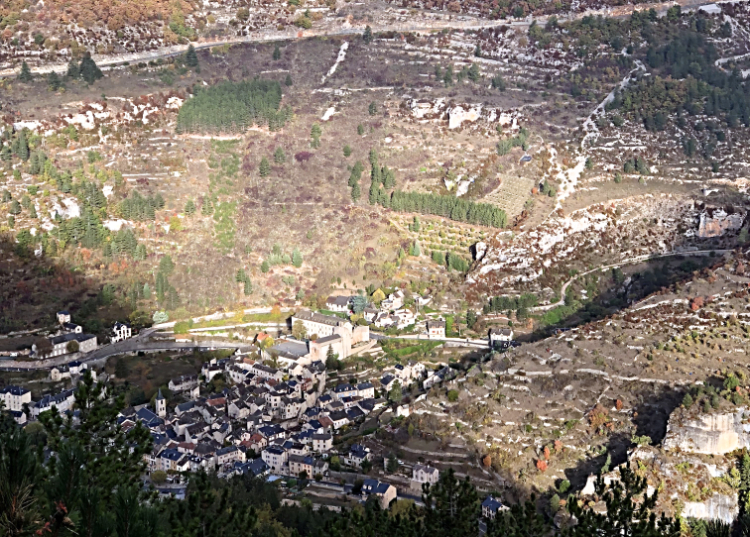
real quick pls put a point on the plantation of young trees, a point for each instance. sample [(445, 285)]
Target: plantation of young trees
[(140, 208), (457, 209), (460, 210), (234, 107)]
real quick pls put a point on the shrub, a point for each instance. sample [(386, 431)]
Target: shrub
[(453, 396)]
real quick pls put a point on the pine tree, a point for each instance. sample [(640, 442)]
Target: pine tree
[(89, 70), (15, 207), (474, 74), (625, 515), (372, 109), (367, 35), (191, 57), (276, 53), (296, 258), (315, 133), (25, 74), (74, 71), (356, 192), (53, 81), (190, 207), (360, 129), (451, 506), (21, 148), (288, 80), (278, 156), (264, 168)]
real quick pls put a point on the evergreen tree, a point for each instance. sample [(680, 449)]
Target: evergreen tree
[(372, 109), (473, 72), (360, 129), (296, 258), (288, 80), (276, 53), (21, 146), (264, 168), (451, 507), (74, 71), (356, 174), (89, 70), (207, 208), (367, 35), (25, 74), (448, 76), (356, 192), (278, 156), (190, 207), (315, 133), (11, 221), (625, 515), (191, 57), (53, 81), (15, 207)]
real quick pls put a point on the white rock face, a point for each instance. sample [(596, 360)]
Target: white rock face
[(458, 114), (718, 506), (709, 434)]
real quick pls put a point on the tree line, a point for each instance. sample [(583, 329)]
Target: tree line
[(234, 107), (458, 209), (383, 180), (140, 208)]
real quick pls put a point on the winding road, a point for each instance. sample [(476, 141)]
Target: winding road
[(107, 61), (634, 260)]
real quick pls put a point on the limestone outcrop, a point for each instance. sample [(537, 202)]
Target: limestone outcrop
[(691, 431)]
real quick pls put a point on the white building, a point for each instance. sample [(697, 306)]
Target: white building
[(60, 344), (121, 332), (64, 317), (500, 338), (436, 329), (338, 303), (422, 474), (275, 457), (14, 397)]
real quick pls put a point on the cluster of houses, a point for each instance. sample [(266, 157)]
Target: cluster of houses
[(392, 312), (70, 339), (22, 408), (267, 421)]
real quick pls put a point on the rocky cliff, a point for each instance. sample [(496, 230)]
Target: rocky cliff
[(717, 433)]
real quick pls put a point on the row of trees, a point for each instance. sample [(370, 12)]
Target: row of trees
[(234, 106), (140, 208), (460, 210), (500, 304), (383, 180)]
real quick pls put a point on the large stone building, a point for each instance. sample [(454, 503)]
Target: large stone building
[(330, 331)]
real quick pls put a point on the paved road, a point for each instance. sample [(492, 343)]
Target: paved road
[(138, 343), (639, 259), (458, 22)]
